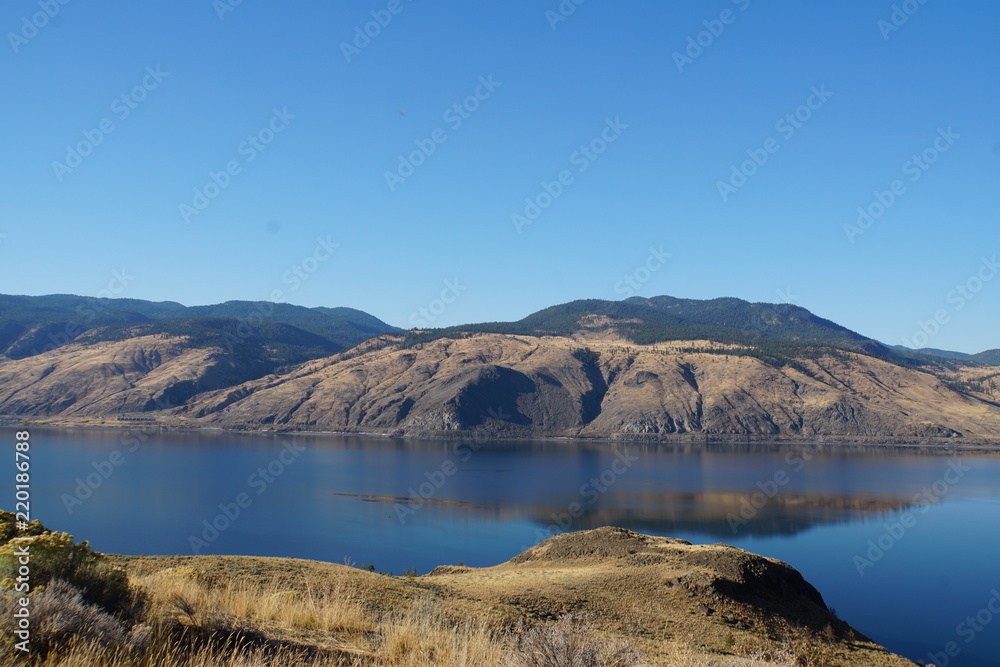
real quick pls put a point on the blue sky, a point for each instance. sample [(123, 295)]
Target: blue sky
[(313, 219)]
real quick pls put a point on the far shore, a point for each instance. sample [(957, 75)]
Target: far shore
[(942, 445)]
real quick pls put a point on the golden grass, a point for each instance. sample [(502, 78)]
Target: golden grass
[(97, 656), (322, 625), (326, 608)]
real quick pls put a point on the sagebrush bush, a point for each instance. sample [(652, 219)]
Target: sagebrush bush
[(571, 642), (54, 556), (59, 614)]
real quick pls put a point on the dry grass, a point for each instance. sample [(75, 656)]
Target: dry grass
[(321, 607), (422, 635), (679, 655), (237, 623)]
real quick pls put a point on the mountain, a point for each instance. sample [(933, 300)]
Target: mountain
[(773, 327), (30, 325), (343, 326), (641, 368), (136, 375), (990, 357), (72, 355), (780, 321), (933, 352), (54, 307), (521, 386)]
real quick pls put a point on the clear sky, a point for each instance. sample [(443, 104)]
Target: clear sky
[(829, 101)]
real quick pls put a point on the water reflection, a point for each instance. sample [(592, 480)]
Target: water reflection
[(733, 514), (722, 491)]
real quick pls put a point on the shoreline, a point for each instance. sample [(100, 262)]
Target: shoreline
[(888, 443)]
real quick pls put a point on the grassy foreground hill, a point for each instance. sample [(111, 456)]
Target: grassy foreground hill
[(600, 598)]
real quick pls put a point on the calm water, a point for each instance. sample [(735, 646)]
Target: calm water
[(905, 568)]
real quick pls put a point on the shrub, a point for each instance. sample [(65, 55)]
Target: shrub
[(572, 642), (9, 530), (59, 614), (60, 618), (54, 556)]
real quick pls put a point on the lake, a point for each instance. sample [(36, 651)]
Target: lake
[(902, 543)]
